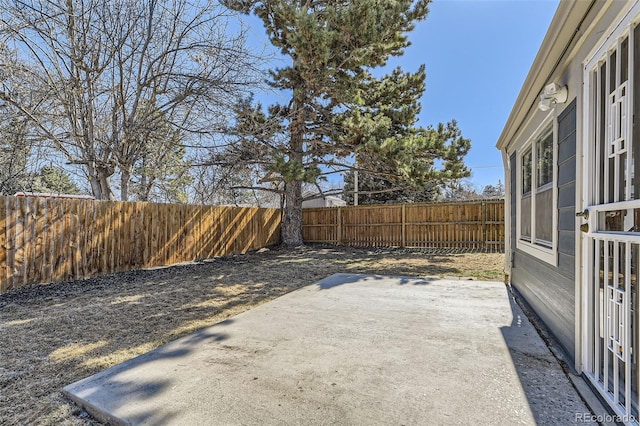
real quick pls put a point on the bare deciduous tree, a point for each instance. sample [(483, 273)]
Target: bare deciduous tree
[(114, 71), (21, 153)]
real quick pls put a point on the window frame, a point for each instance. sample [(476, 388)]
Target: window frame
[(542, 249)]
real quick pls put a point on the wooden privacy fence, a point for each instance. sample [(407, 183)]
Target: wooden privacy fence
[(474, 225), (53, 239)]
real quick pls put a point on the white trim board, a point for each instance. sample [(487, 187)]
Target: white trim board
[(548, 255)]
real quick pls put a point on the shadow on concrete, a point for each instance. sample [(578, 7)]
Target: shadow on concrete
[(549, 392), (123, 391), (336, 280), (104, 394)]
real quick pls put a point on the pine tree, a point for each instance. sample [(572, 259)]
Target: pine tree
[(338, 110), (493, 191), (373, 189), (54, 180)]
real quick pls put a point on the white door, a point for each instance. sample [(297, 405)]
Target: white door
[(611, 229)]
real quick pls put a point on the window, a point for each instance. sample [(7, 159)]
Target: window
[(544, 189), (525, 204), (536, 194)]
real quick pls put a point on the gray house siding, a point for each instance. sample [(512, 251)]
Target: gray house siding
[(548, 289)]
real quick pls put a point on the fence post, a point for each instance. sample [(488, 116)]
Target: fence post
[(404, 225), (4, 245), (484, 225), (339, 231)]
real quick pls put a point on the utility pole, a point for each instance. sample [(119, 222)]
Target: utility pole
[(355, 187)]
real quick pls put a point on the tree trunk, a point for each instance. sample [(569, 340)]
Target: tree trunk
[(125, 177), (100, 187), (291, 228), (95, 187), (99, 178), (94, 181), (105, 187)]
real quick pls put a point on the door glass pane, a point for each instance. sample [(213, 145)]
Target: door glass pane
[(598, 308), (611, 180), (609, 273), (623, 177), (624, 60), (612, 72), (619, 220), (600, 129)]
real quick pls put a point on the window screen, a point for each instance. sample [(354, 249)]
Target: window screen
[(544, 159), (526, 171)]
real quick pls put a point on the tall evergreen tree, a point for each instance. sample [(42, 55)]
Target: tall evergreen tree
[(337, 110), (373, 189)]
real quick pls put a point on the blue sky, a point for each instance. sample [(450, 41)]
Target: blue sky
[(477, 54)]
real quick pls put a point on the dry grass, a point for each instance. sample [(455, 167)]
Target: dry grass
[(54, 335)]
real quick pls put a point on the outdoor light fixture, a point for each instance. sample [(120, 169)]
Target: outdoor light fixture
[(551, 95)]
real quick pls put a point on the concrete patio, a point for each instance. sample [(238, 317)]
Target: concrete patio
[(349, 350)]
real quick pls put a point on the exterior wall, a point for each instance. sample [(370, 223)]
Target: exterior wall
[(555, 292), (550, 290), (328, 201), (316, 202), (335, 202), (562, 285)]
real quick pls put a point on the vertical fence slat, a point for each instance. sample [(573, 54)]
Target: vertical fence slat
[(404, 225), (76, 255), (20, 261), (11, 244), (339, 226), (31, 241), (88, 223), (3, 245), (57, 235)]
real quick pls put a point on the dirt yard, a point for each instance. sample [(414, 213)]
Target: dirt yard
[(53, 335)]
